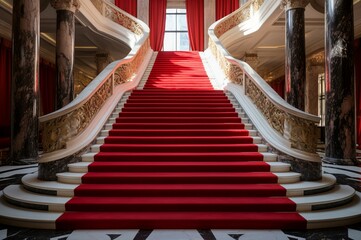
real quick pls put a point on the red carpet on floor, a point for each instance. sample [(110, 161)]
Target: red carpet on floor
[(179, 157)]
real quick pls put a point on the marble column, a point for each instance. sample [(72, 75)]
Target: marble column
[(340, 146), (65, 36), (102, 60), (295, 66), (25, 82)]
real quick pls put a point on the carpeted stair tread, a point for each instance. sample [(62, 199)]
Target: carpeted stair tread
[(179, 139), (179, 167), (178, 148), (181, 220), (178, 132), (172, 113), (178, 126), (180, 119), (181, 190), (176, 204), (178, 109), (179, 177), (178, 156)]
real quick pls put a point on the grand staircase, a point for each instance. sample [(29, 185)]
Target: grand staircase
[(178, 154)]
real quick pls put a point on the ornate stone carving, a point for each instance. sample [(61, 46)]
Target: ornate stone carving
[(109, 11), (300, 132), (242, 14), (317, 59), (252, 60), (233, 72), (290, 4), (58, 131), (70, 5)]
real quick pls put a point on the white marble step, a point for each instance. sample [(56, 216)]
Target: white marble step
[(292, 189), (340, 216), (53, 187), (75, 178), (96, 148), (33, 200), (287, 177), (23, 217), (309, 187), (279, 166), (339, 195), (82, 167)]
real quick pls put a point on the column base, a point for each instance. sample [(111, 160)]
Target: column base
[(340, 161)]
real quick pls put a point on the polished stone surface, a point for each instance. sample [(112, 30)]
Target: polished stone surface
[(349, 175), (65, 36), (295, 57), (25, 81), (340, 103)]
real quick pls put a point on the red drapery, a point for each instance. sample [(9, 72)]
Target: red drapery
[(130, 6), (47, 86), (279, 86), (225, 7), (157, 15), (195, 21), (358, 89), (5, 83)]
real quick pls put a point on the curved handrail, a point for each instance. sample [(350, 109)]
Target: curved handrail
[(64, 131), (296, 129)]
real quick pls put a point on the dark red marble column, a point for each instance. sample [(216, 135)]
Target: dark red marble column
[(65, 36), (25, 82), (340, 144)]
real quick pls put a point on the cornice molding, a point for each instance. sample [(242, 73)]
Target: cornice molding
[(70, 5), (291, 4)]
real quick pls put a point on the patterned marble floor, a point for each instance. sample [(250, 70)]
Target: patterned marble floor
[(350, 175)]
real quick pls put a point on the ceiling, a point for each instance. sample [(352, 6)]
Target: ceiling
[(268, 43)]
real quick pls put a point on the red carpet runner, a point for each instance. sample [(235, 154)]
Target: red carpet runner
[(178, 157)]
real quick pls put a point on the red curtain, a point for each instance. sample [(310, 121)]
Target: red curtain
[(358, 89), (225, 7), (47, 83), (157, 15), (5, 83), (130, 6), (195, 21), (279, 86)]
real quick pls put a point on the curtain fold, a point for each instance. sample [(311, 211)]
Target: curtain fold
[(195, 21), (279, 86), (5, 83), (47, 84), (130, 6), (157, 15), (225, 7)]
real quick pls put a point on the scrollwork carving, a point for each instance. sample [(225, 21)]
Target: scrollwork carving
[(242, 14), (58, 131)]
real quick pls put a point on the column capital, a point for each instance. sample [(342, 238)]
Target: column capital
[(70, 5), (291, 4)]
